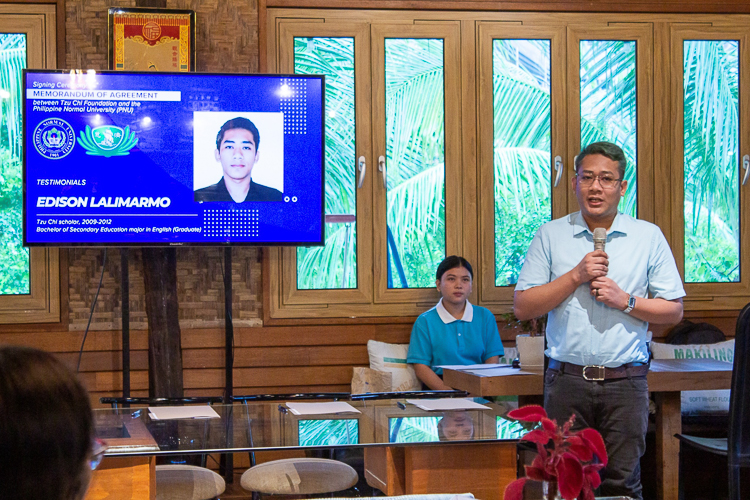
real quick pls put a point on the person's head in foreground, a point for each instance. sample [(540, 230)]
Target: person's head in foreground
[(454, 278), (237, 148), (46, 428), (455, 426)]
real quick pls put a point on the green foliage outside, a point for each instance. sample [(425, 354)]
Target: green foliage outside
[(510, 429), (415, 156), (14, 258), (328, 432), (609, 106), (333, 265), (522, 151), (424, 429), (413, 429), (711, 135), (522, 144)]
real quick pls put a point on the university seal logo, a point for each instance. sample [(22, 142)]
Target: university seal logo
[(54, 138), (107, 140)]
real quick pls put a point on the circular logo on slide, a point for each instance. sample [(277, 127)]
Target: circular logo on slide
[(54, 138)]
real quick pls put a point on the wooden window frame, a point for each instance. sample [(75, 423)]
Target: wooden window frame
[(41, 24), (659, 164), (709, 295)]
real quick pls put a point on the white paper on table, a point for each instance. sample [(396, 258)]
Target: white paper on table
[(177, 412), (483, 366), (321, 408), (446, 404)]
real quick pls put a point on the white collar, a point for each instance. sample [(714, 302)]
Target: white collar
[(448, 317)]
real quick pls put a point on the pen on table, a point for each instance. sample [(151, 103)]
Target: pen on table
[(401, 405), (283, 409)]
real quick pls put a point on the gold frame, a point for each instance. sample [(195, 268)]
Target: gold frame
[(179, 26)]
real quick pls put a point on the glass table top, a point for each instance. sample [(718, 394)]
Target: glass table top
[(255, 426)]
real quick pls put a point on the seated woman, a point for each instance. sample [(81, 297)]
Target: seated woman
[(454, 332), (46, 428)]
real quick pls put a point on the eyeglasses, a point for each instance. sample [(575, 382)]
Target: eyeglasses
[(606, 181), (97, 454)]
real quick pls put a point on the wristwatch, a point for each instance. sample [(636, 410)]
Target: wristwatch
[(631, 304)]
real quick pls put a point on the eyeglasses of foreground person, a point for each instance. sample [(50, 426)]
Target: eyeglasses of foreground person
[(47, 446), (606, 181)]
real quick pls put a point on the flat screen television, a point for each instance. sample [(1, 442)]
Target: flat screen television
[(139, 158)]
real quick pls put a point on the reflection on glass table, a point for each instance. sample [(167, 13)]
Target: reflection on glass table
[(328, 432), (270, 425), (451, 426)]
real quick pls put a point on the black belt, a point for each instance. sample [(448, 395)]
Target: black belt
[(596, 372)]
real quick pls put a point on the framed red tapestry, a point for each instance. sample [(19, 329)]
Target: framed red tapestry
[(143, 39)]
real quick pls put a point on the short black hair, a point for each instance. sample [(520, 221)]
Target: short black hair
[(238, 122), (46, 427), (606, 149), (453, 262)]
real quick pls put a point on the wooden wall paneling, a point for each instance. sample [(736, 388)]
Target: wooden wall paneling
[(278, 356), (676, 6), (271, 376), (482, 469)]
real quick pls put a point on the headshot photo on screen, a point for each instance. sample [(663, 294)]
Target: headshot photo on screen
[(238, 156)]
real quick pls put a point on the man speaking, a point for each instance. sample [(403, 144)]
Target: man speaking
[(600, 302)]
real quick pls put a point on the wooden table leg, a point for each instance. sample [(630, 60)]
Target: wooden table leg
[(668, 423), (124, 478)]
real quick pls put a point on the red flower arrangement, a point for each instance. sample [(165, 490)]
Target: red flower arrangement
[(569, 460)]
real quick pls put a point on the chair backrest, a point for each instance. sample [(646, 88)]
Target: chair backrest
[(739, 402), (687, 332)]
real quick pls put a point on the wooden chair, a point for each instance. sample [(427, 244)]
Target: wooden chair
[(737, 446)]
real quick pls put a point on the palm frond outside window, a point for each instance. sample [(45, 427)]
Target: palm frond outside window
[(609, 104), (14, 258), (711, 160), (522, 149)]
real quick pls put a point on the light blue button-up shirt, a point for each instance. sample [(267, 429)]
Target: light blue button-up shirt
[(581, 330)]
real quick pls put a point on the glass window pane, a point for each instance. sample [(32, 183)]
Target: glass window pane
[(522, 149), (415, 160), (609, 104), (333, 265), (711, 135), (14, 258)]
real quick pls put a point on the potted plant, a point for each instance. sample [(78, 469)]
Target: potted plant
[(568, 462)]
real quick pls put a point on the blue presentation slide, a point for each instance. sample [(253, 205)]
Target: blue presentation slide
[(116, 158)]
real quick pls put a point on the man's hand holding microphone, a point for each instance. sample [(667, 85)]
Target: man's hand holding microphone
[(594, 267)]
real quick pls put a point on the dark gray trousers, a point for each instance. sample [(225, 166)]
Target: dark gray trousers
[(618, 409)]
